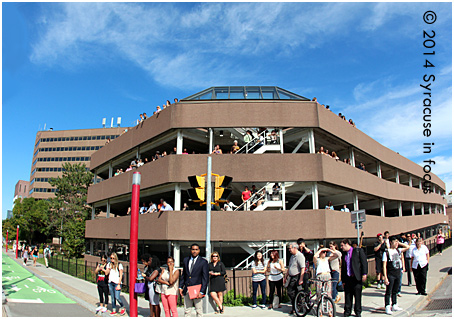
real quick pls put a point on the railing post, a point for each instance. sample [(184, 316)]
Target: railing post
[(85, 270), (234, 284), (68, 266), (76, 266)]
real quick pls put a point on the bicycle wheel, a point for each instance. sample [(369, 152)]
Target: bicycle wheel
[(301, 307), (326, 307)]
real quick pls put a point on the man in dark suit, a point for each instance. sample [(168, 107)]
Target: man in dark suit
[(195, 272), (354, 273)]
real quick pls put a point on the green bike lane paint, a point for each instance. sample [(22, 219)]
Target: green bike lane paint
[(24, 287)]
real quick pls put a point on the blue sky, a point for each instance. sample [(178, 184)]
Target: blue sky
[(68, 65)]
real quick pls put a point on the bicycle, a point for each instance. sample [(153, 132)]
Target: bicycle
[(305, 302), (39, 289)]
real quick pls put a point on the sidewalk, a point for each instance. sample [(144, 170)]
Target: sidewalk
[(86, 293)]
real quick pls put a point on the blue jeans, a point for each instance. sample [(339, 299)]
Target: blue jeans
[(255, 285), (334, 276), (115, 295)]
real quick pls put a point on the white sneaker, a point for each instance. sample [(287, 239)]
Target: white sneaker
[(99, 308), (388, 310), (254, 306), (262, 306), (378, 286), (104, 309), (396, 308)]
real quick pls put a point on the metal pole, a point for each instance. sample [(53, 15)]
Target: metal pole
[(7, 241), (234, 284), (134, 243), (17, 240), (208, 213), (357, 228)]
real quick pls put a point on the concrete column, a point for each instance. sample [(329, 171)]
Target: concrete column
[(177, 203), (382, 207), (91, 246), (281, 140), (422, 208), (315, 196), (410, 182), (397, 177), (95, 177), (138, 152), (444, 210), (110, 169), (93, 213), (108, 209), (211, 140), (378, 169), (399, 208), (355, 201), (412, 209), (311, 141), (430, 209), (179, 142), (352, 156), (106, 248), (420, 183), (176, 253), (283, 196)]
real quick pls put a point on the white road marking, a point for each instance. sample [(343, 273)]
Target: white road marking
[(26, 286), (31, 279), (26, 300), (14, 287)]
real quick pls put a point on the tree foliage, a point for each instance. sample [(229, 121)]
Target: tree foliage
[(69, 208), (32, 217)]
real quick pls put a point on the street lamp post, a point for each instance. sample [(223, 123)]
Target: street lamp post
[(17, 240), (6, 240), (134, 243)]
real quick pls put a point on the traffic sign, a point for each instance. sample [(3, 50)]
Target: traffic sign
[(358, 214)]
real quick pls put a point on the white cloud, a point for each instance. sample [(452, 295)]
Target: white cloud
[(203, 43)]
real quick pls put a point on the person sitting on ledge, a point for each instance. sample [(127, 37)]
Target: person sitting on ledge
[(345, 209), (327, 153), (321, 151), (129, 168), (175, 100), (158, 109), (334, 155)]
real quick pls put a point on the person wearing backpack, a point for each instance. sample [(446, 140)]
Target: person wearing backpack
[(393, 264), (47, 255)]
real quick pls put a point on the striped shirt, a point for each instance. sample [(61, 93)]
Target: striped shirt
[(259, 267)]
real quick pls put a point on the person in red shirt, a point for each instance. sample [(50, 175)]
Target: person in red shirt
[(245, 196)]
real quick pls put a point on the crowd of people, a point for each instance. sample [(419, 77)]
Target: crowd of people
[(25, 251), (333, 155), (143, 116), (339, 267), (350, 121)]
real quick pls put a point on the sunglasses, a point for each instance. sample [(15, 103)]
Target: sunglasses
[(215, 256)]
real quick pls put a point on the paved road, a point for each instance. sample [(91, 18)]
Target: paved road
[(440, 298), (29, 296)]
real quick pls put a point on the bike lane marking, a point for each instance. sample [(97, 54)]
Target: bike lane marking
[(23, 286)]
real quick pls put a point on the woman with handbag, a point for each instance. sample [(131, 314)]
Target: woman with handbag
[(217, 281), (276, 269), (169, 280), (151, 273), (115, 272), (103, 284)]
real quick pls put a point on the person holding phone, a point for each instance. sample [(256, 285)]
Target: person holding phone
[(151, 273), (103, 284)]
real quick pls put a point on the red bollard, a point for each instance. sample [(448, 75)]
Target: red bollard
[(134, 243), (17, 240)]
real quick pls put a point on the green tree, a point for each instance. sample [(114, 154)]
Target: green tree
[(69, 207), (32, 217)]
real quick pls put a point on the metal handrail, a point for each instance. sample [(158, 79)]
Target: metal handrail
[(265, 254), (246, 146)]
